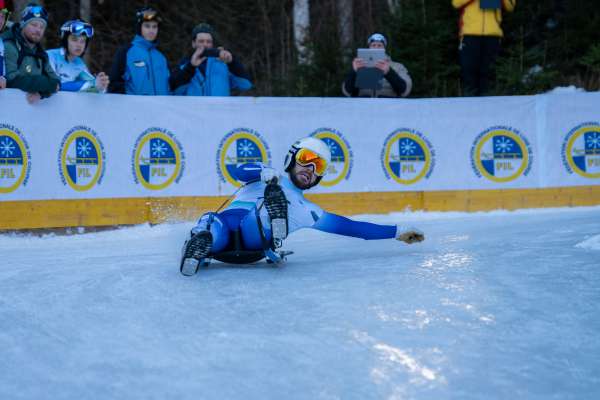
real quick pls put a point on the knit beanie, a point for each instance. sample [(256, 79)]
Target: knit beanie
[(34, 12), (204, 28), (377, 37)]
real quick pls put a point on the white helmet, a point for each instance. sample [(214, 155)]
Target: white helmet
[(314, 144)]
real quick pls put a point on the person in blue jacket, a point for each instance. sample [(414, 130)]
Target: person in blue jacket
[(269, 207), (139, 67), (68, 63), (211, 70), (4, 16)]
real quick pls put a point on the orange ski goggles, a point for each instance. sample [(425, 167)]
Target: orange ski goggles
[(307, 157), (148, 15)]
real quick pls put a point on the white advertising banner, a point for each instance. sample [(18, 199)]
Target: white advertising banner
[(78, 146), (571, 139)]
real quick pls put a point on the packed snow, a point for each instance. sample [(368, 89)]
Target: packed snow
[(495, 305)]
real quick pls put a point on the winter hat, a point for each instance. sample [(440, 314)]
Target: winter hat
[(377, 37), (203, 28), (144, 15), (34, 12)]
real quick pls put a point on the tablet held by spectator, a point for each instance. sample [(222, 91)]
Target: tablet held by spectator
[(392, 78)]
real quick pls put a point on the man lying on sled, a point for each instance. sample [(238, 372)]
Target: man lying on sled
[(269, 207)]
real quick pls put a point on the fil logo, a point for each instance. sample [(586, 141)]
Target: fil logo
[(158, 159), (240, 146), (81, 159), (581, 150), (407, 156), (15, 159), (501, 154), (341, 156)]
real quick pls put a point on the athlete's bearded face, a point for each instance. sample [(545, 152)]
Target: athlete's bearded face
[(303, 177)]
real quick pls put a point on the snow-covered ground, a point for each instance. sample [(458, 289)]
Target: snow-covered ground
[(501, 305)]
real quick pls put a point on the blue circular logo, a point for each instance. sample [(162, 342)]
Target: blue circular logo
[(81, 159), (581, 150), (15, 159), (407, 156), (158, 159), (501, 154), (240, 146)]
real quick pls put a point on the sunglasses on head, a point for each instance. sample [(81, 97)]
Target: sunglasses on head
[(307, 157)]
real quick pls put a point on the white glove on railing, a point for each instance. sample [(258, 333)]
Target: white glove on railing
[(409, 235), (269, 175)]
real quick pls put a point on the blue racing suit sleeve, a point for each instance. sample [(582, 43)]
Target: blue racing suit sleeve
[(333, 223), (249, 172), (73, 86)]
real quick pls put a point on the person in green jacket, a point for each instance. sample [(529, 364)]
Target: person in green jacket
[(27, 66)]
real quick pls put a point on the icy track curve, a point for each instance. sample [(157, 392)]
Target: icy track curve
[(496, 305)]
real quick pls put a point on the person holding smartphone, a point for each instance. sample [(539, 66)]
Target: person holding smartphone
[(210, 70), (395, 80)]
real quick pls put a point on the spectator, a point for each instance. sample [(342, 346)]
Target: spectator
[(209, 71), (68, 64), (396, 81), (4, 15), (27, 66), (480, 35), (139, 67)]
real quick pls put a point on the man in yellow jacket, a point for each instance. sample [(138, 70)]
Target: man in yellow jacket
[(480, 34)]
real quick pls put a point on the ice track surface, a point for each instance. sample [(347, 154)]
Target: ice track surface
[(501, 305)]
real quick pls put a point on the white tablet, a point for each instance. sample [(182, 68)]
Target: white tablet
[(371, 56)]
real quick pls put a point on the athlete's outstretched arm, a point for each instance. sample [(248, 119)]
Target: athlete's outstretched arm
[(333, 223)]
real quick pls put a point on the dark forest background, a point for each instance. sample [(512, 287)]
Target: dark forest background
[(547, 43)]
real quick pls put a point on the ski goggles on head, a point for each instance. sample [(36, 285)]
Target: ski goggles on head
[(148, 15), (78, 28), (307, 157)]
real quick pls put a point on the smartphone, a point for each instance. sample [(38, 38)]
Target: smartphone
[(490, 4)]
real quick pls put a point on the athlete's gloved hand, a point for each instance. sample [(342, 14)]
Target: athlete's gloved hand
[(409, 235), (269, 175)]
